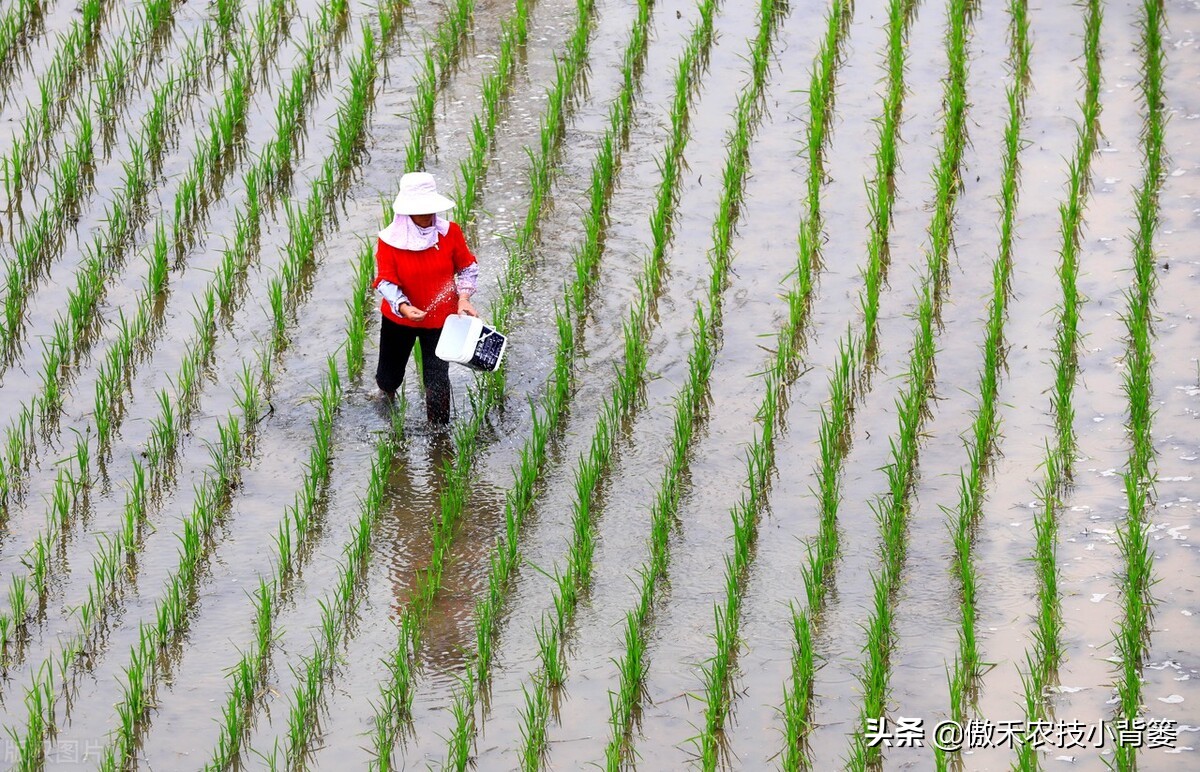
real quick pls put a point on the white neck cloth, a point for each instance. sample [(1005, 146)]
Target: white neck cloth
[(403, 233)]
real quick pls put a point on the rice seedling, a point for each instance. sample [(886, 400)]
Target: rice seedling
[(891, 509), (104, 256), (318, 466), (1046, 651), (980, 441), (398, 691), (226, 455), (17, 25), (1132, 636), (359, 307)]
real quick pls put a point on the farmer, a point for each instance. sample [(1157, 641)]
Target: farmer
[(425, 272)]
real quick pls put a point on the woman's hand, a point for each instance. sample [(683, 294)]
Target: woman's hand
[(410, 312), (465, 307)]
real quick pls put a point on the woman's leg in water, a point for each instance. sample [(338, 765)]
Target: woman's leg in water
[(437, 378), (395, 346)]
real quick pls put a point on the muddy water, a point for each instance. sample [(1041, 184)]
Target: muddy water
[(416, 479), (183, 725)]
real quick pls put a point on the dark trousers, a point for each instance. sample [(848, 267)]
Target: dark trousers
[(395, 346)]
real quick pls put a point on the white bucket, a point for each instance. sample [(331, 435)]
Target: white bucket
[(468, 341)]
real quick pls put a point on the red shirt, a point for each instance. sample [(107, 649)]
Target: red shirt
[(425, 276)]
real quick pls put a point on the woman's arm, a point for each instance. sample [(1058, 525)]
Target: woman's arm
[(392, 294), (466, 271), (466, 280)]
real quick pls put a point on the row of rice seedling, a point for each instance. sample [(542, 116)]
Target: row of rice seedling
[(105, 253), (154, 639), (438, 63), (892, 508), (19, 24), (75, 48), (1133, 631), (292, 539), (848, 382), (41, 234), (494, 89), (880, 196), (289, 110), (981, 439), (116, 373), (1046, 653), (217, 147)]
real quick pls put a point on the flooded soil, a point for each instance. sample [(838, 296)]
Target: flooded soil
[(72, 644)]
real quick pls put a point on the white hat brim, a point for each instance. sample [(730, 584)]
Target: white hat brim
[(421, 203)]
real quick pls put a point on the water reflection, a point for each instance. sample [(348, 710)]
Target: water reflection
[(413, 507)]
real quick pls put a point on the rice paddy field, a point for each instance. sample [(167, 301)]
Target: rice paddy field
[(850, 416)]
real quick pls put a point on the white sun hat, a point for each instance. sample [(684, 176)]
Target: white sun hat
[(418, 195)]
